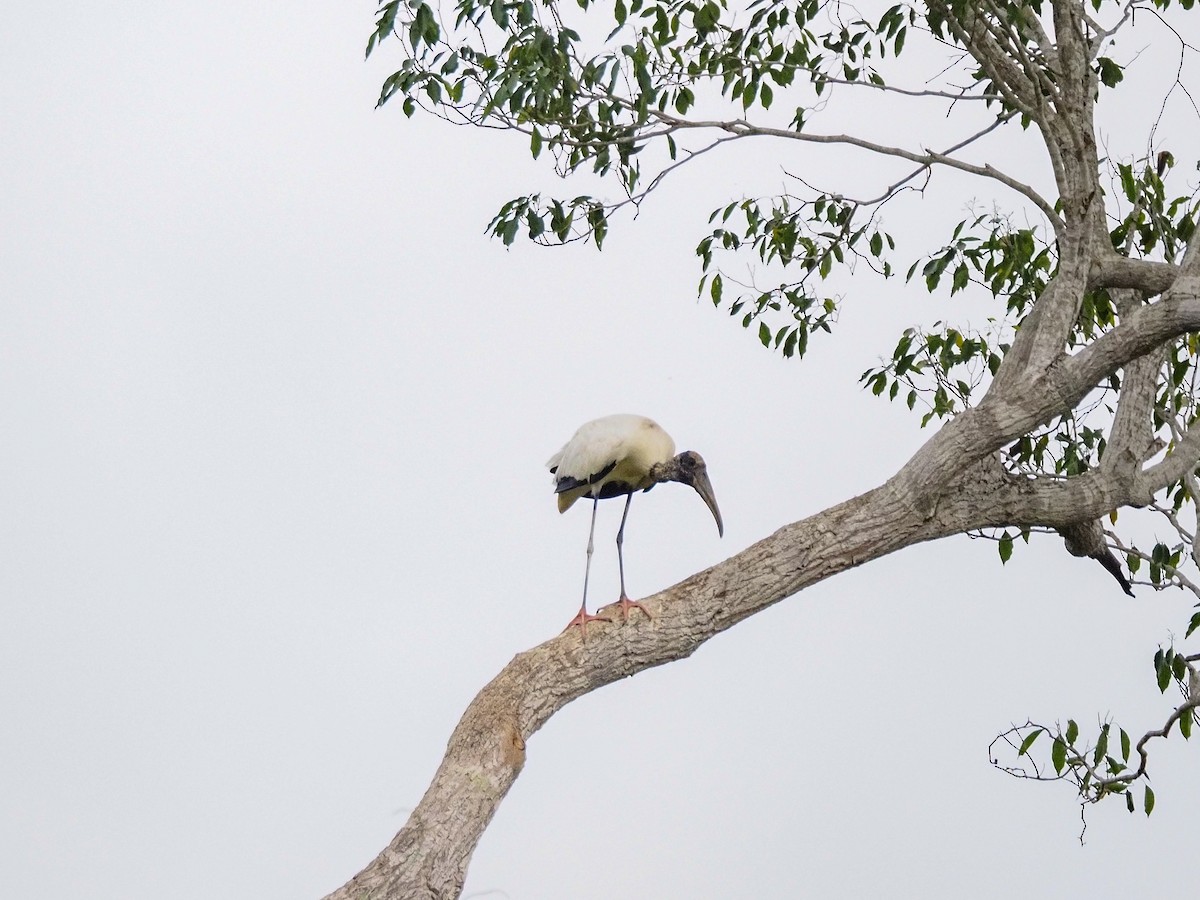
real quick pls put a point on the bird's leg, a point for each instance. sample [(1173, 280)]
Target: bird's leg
[(583, 618), (625, 603)]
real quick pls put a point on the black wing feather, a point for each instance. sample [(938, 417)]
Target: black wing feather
[(567, 483)]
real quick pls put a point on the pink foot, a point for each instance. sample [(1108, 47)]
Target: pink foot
[(625, 605), (581, 619)]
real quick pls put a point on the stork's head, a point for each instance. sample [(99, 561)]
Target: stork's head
[(689, 468)]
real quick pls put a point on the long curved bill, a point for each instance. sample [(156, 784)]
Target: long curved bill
[(705, 489)]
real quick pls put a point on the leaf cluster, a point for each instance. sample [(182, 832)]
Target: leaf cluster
[(791, 233), (1099, 769)]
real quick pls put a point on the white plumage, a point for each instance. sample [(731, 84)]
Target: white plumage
[(623, 447), (617, 456)]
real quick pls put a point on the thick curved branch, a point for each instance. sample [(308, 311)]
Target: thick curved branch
[(1132, 434), (486, 752), (428, 858), (1042, 502), (1033, 395), (1177, 464), (1043, 333), (1146, 275), (1142, 330)]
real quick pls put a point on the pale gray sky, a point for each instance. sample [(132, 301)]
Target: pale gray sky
[(274, 418)]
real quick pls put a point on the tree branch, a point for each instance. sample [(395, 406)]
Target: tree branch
[(971, 31), (742, 128), (1140, 332), (1132, 432), (1150, 277), (1029, 397), (1184, 709), (428, 858)]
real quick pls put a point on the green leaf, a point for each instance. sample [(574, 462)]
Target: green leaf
[(1110, 73), (1148, 803), (535, 223), (1101, 746), (1129, 802), (499, 13), (1185, 725), (1127, 185), (789, 346), (1193, 625), (764, 334), (384, 24), (416, 31), (961, 276), (1124, 745), (598, 222), (1058, 755), (1028, 742), (1072, 731), (535, 143), (706, 17), (1006, 547)]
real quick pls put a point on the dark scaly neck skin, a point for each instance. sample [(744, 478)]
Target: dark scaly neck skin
[(688, 468), (671, 470)]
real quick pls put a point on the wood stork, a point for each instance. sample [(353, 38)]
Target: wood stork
[(616, 456)]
